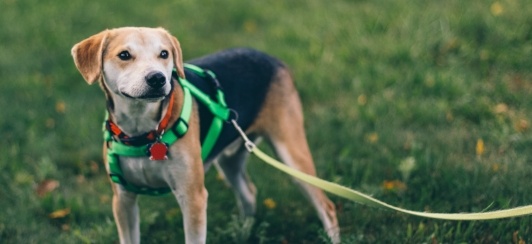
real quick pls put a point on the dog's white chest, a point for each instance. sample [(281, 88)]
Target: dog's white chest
[(144, 172)]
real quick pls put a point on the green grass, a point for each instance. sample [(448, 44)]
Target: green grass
[(381, 82)]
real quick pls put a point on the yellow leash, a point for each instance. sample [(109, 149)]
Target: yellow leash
[(361, 198)]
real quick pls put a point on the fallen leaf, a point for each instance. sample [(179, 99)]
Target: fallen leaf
[(372, 137), (521, 125), (501, 108), (269, 203), (480, 147), (496, 8), (46, 186), (60, 107), (391, 185), (61, 213)]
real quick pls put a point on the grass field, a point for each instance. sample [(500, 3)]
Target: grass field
[(423, 104)]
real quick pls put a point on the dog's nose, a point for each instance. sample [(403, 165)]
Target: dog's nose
[(156, 79)]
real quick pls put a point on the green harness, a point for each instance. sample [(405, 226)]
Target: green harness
[(219, 109)]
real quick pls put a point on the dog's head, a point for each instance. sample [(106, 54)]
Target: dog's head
[(132, 62)]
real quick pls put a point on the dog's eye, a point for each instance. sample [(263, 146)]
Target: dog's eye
[(164, 54), (124, 55)]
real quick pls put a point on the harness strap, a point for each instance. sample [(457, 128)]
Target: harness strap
[(180, 128), (219, 109)]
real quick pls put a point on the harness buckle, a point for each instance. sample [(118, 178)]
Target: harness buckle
[(178, 130)]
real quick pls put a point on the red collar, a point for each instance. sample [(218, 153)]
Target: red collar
[(146, 138)]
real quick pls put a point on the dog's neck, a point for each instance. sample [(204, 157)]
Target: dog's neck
[(136, 117)]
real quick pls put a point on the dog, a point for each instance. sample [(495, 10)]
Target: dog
[(138, 68)]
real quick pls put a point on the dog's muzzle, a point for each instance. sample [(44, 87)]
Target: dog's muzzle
[(155, 80)]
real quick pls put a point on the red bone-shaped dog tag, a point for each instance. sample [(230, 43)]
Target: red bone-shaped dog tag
[(158, 151)]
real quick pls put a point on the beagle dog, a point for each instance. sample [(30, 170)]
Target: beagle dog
[(138, 69)]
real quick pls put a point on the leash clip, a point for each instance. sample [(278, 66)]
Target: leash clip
[(249, 146)]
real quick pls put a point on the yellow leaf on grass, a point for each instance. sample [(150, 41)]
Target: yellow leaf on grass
[(61, 213), (372, 137), (390, 185), (362, 99), (480, 147), (269, 203), (60, 107), (496, 8)]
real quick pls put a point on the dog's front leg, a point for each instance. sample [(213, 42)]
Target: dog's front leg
[(126, 213), (194, 207), (192, 197)]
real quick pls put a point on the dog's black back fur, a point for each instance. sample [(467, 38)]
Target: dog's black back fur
[(245, 76)]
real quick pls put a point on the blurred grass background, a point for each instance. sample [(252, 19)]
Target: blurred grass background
[(423, 104)]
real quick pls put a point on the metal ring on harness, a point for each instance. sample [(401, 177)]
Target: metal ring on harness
[(233, 115)]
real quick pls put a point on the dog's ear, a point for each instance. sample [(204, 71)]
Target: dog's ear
[(88, 56), (177, 53)]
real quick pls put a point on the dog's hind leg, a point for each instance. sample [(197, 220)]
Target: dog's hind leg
[(233, 166), (281, 122), (299, 158)]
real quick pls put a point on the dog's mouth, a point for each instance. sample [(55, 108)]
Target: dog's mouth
[(150, 97)]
